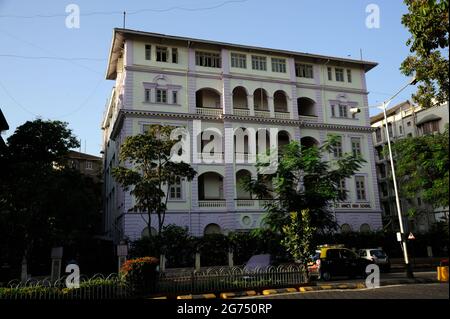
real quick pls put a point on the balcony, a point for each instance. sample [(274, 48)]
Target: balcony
[(244, 158), (210, 111), (210, 158), (241, 112), (264, 114), (282, 115), (246, 203), (212, 203)]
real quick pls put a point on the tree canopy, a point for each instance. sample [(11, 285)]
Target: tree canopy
[(149, 171), (428, 23), (304, 180), (422, 167)]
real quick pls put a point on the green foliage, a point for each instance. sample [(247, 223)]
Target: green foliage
[(298, 236), (149, 171), (422, 167), (174, 241), (303, 180), (428, 23), (42, 201)]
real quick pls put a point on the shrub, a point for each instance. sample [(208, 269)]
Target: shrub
[(141, 274)]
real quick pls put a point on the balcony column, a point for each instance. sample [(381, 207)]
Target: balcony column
[(226, 94), (191, 81), (194, 183), (293, 101), (251, 104), (271, 106), (229, 184)]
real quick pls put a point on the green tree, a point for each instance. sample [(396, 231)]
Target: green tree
[(428, 23), (42, 202), (422, 167), (298, 235), (304, 180), (150, 172)]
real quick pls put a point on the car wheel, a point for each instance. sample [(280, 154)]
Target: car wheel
[(326, 276)]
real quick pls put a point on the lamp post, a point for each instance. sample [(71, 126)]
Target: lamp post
[(384, 105)]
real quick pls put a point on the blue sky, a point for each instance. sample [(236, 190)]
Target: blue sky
[(33, 83)]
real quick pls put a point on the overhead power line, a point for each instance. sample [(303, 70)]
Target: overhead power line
[(131, 12)]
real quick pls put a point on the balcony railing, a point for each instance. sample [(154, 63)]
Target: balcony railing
[(211, 203), (244, 158), (241, 112), (265, 114), (209, 111), (208, 157), (246, 202), (310, 118), (282, 115)]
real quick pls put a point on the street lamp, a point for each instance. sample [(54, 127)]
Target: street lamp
[(384, 105)]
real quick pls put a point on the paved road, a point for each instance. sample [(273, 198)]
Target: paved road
[(410, 291), (386, 277)]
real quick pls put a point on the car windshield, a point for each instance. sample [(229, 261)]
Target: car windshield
[(258, 261), (378, 253)]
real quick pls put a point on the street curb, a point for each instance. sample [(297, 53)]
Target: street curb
[(228, 295), (278, 291), (332, 286), (201, 296), (409, 281)]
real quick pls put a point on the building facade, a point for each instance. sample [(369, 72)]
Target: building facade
[(86, 164), (211, 88), (406, 120)]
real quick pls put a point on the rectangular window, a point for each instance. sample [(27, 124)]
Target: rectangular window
[(400, 129), (148, 51), (339, 74), (174, 97), (147, 95), (408, 124), (337, 149), (259, 63), (207, 59), (356, 146), (342, 110), (349, 75), (378, 134), (390, 129), (161, 54), (174, 55), (238, 60), (175, 189), (330, 74), (342, 189), (360, 188), (333, 112), (161, 96), (88, 165), (278, 65), (304, 71)]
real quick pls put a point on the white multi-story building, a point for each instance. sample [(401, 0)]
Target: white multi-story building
[(406, 120), (219, 87)]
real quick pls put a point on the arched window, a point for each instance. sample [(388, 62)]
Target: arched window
[(210, 186), (208, 98), (240, 98), (242, 175), (308, 141), (280, 101), (364, 228), (283, 139), (146, 233), (346, 228), (260, 100), (212, 229), (306, 106)]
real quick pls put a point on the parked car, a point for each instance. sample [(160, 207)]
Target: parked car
[(378, 256), (337, 261), (264, 261)]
